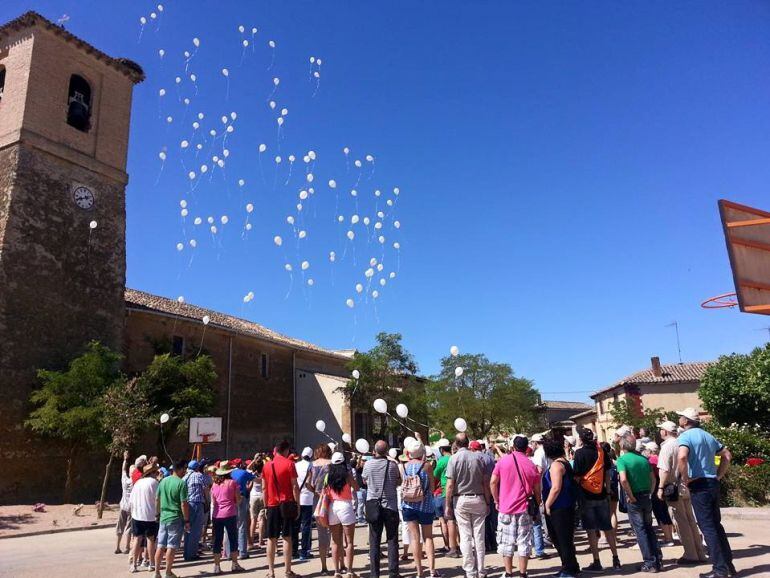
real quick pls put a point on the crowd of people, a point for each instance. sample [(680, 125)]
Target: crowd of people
[(515, 497)]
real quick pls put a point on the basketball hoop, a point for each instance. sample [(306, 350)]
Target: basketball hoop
[(723, 301)]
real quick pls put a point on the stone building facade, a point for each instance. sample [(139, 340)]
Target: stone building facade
[(64, 122)]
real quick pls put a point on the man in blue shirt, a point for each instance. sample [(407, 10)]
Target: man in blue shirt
[(197, 496), (242, 477), (697, 467)]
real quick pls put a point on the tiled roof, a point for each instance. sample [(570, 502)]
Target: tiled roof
[(578, 405), (146, 301), (672, 373), (32, 18), (585, 413)]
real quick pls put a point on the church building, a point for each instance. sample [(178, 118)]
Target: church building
[(65, 110)]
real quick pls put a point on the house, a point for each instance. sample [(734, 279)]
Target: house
[(671, 387), (555, 415)]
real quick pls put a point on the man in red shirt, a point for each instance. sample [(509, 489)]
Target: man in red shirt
[(281, 495)]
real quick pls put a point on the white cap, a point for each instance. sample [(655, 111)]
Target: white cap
[(668, 425), (307, 452), (337, 458), (651, 446), (570, 440), (415, 448), (690, 413), (537, 438), (624, 430), (443, 443)]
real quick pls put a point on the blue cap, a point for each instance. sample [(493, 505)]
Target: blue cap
[(165, 472), (193, 465)]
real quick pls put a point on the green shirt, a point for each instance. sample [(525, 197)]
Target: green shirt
[(440, 472), (637, 470), (172, 491)]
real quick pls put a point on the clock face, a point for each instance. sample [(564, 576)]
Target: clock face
[(84, 197)]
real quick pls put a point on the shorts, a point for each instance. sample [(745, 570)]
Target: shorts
[(275, 525), (514, 534), (140, 528), (595, 515), (170, 534), (438, 505), (660, 509), (124, 523), (412, 515), (256, 505), (342, 512)]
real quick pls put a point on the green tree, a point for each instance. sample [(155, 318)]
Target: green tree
[(387, 371), (629, 412), (125, 416), (736, 389), (182, 388), (69, 404), (488, 396)]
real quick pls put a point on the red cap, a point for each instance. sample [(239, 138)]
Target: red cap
[(475, 445), (236, 462)]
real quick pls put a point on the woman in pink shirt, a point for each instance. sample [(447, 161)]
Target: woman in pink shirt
[(225, 497)]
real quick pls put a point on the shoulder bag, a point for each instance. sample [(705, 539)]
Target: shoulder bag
[(532, 508), (373, 508)]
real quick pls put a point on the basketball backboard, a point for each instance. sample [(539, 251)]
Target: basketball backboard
[(205, 430), (747, 234)]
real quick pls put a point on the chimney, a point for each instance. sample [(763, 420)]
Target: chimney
[(657, 370)]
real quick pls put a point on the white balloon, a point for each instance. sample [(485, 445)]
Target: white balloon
[(369, 273), (143, 20), (310, 282), (357, 163), (354, 219), (380, 405), (302, 234), (277, 240), (245, 43), (206, 319), (198, 220), (213, 229), (303, 195), (351, 235), (340, 218), (92, 225), (320, 425), (279, 120), (409, 441), (367, 221), (332, 184), (193, 243), (369, 158), (353, 193), (196, 42), (288, 267), (271, 44), (241, 29), (383, 282), (393, 453), (332, 256), (396, 245), (271, 104), (164, 418), (458, 371), (262, 148), (162, 92), (460, 425), (356, 374), (278, 160), (276, 81), (380, 267), (210, 220), (180, 299), (290, 220), (392, 275), (310, 177), (184, 144), (397, 224), (248, 226), (249, 208), (362, 446), (373, 261), (396, 191), (225, 72), (305, 265), (359, 288), (375, 294), (402, 410), (224, 219), (346, 438), (454, 351), (179, 246)]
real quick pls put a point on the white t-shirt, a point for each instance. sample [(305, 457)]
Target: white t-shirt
[(143, 500), (305, 495), (540, 461), (256, 488)]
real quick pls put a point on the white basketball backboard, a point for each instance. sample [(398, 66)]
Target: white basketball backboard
[(205, 430)]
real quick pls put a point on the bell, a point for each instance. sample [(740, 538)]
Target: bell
[(78, 115)]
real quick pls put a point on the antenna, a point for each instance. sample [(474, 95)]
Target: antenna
[(675, 325)]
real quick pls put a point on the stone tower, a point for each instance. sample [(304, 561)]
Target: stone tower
[(64, 123)]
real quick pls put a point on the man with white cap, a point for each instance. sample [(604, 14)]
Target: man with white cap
[(697, 466), (305, 504), (677, 496)]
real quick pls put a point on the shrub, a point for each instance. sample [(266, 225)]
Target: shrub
[(743, 441), (746, 486)]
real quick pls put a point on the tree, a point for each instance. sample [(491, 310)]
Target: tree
[(736, 389), (68, 405), (630, 412), (126, 414), (488, 396), (182, 388), (387, 371)]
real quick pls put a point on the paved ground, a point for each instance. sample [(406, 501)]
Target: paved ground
[(89, 553)]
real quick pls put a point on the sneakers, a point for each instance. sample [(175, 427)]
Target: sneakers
[(132, 568), (616, 563), (648, 569), (454, 554), (594, 568)]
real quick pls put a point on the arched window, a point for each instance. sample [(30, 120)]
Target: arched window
[(79, 103), (2, 80)]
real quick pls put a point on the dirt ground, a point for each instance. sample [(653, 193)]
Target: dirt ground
[(17, 520)]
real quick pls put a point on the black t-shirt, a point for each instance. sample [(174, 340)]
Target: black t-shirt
[(585, 458)]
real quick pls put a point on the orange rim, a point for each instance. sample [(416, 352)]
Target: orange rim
[(723, 301)]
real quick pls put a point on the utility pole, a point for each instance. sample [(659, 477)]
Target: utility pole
[(675, 325)]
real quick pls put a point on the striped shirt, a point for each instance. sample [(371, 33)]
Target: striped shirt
[(373, 476), (196, 488)]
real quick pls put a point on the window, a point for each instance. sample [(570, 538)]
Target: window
[(177, 345), (599, 406), (79, 104), (615, 398), (2, 81), (264, 366)]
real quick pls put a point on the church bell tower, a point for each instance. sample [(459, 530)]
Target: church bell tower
[(64, 123)]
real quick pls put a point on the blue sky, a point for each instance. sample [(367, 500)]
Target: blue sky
[(559, 166)]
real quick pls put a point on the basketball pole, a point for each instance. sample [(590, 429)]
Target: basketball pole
[(675, 325)]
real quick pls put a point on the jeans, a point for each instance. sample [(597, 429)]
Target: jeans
[(561, 529), (704, 494), (470, 515), (490, 529), (191, 540), (360, 504), (306, 529), (640, 517), (537, 538), (220, 525), (389, 521), (243, 527)]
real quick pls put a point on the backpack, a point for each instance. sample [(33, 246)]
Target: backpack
[(593, 480), (412, 490)]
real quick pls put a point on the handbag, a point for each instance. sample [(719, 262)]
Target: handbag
[(412, 490), (671, 490), (288, 509), (321, 512), (373, 508), (533, 509)]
